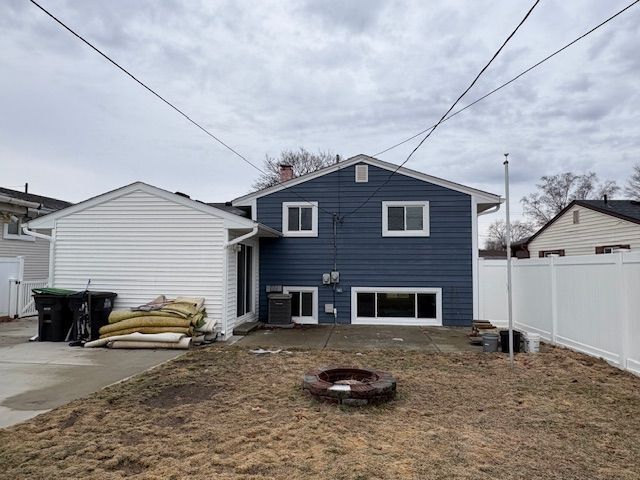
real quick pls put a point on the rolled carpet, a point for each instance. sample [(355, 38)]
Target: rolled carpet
[(146, 321), (120, 315), (185, 330), (138, 337), (183, 344)]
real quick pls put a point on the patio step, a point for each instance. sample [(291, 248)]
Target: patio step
[(245, 328)]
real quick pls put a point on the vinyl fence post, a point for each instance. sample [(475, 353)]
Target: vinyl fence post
[(554, 299), (624, 312)]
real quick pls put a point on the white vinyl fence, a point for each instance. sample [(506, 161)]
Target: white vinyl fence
[(589, 303), (26, 305), (11, 269)]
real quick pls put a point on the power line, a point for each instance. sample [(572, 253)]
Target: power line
[(548, 57), (524, 19), (160, 97)]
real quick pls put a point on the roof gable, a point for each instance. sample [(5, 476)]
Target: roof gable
[(481, 196), (628, 210), (47, 221)]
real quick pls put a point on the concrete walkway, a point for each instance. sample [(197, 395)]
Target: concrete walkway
[(38, 376), (362, 337)]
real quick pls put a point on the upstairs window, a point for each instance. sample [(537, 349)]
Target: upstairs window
[(405, 219), (300, 219)]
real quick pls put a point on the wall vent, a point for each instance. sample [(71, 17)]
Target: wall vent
[(362, 173)]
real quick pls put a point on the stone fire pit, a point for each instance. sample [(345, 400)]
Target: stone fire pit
[(350, 386)]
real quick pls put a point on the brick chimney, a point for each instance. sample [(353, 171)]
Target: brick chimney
[(286, 172)]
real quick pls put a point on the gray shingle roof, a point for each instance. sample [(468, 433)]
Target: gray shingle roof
[(629, 209), (49, 203)]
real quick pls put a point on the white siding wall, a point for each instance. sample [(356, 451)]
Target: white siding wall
[(36, 254), (140, 246), (595, 229), (231, 311)]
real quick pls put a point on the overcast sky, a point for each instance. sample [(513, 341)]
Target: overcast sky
[(347, 76)]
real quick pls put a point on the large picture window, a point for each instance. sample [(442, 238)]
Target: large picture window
[(300, 219), (405, 219), (244, 276), (400, 306)]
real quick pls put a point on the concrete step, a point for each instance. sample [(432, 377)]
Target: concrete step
[(245, 328)]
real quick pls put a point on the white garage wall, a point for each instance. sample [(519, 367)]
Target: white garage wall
[(140, 246)]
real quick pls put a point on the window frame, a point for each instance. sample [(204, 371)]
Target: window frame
[(313, 319), (12, 236), (300, 233), (601, 250), (559, 252), (436, 322), (425, 232)]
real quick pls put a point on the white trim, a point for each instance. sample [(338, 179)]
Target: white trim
[(355, 320), (300, 233), (405, 233), (483, 197), (363, 167), (12, 236), (313, 319), (231, 220)]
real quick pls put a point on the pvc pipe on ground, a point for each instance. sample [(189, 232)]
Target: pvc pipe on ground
[(183, 344)]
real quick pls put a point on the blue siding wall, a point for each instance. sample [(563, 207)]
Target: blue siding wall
[(365, 257)]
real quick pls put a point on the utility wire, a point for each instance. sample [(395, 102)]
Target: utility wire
[(160, 97), (524, 19), (548, 57)]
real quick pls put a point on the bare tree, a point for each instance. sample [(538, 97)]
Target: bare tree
[(556, 192), (301, 160), (497, 233), (632, 190)]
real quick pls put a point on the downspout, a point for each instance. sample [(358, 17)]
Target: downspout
[(252, 233), (31, 233)]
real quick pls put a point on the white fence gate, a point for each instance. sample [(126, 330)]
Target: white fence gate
[(11, 269), (26, 305), (588, 303)]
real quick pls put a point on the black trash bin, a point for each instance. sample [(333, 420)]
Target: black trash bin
[(54, 316), (504, 341), (90, 311)]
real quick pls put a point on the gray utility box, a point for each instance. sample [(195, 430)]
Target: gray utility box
[(279, 309)]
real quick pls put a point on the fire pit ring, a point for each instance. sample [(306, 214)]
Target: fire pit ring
[(349, 385)]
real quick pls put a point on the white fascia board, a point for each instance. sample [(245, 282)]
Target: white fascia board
[(481, 196), (48, 221)]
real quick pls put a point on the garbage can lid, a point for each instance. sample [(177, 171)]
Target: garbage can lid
[(62, 292)]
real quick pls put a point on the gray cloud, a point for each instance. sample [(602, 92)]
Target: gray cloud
[(347, 76)]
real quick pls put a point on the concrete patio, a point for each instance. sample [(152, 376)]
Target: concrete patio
[(39, 376), (361, 337)]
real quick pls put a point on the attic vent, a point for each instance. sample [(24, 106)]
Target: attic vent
[(362, 173)]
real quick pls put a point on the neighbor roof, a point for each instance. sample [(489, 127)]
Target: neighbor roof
[(231, 219), (628, 210), (483, 197), (47, 203)]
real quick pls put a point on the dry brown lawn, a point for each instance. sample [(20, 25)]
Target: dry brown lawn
[(222, 412)]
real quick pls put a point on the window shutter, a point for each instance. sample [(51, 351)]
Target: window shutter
[(362, 173)]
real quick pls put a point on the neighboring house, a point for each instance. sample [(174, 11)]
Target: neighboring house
[(140, 241), (587, 227), (16, 208), (408, 256)]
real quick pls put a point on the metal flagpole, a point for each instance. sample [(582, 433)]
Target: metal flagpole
[(508, 234)]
